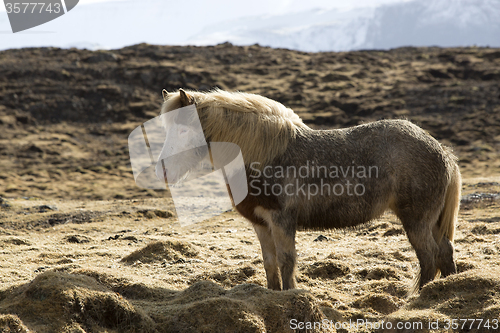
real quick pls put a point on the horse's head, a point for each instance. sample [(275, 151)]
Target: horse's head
[(185, 148)]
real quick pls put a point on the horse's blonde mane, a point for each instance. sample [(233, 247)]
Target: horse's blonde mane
[(261, 127)]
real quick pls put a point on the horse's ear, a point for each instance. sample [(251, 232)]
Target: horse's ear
[(186, 99), (164, 93)]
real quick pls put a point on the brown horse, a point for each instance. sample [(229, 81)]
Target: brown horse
[(300, 177)]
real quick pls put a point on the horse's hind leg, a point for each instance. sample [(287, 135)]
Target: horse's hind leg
[(269, 256), (418, 227), (427, 252), (445, 261)]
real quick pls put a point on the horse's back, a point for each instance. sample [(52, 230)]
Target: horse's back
[(393, 163)]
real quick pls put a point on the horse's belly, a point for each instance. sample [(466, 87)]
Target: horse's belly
[(338, 214)]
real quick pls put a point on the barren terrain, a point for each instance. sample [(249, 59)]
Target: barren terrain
[(86, 250)]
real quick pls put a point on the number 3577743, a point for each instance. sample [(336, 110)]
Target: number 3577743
[(32, 7)]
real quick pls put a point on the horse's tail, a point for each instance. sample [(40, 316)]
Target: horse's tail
[(449, 214)]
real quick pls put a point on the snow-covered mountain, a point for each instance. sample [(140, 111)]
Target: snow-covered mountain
[(436, 22), (314, 30), (114, 24), (414, 23)]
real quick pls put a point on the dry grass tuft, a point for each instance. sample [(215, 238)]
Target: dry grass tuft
[(159, 251)]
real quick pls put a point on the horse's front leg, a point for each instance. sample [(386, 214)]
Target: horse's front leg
[(284, 240), (269, 256)]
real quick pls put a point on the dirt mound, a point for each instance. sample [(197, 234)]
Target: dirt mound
[(228, 277), (378, 273), (11, 324), (14, 241), (379, 303), (64, 298), (329, 269), (206, 307), (61, 302), (79, 239), (474, 294), (160, 251)]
